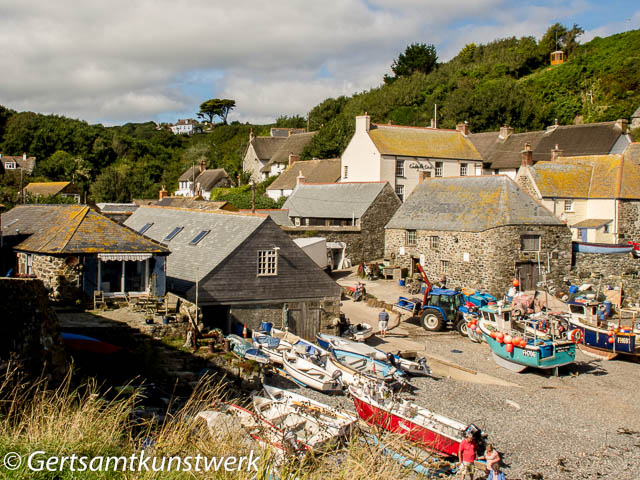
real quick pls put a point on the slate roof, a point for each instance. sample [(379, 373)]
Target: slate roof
[(47, 189), (314, 171), (573, 140), (192, 203), (188, 262), (107, 208), (265, 147), (76, 229), (295, 144), (27, 164), (591, 176), (422, 142), (469, 204), (279, 216), (337, 200)]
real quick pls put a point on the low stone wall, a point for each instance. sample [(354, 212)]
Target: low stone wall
[(62, 281), (607, 269), (29, 331)]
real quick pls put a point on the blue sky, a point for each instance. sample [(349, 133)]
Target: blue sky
[(121, 61)]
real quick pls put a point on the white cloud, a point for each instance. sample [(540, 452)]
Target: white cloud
[(124, 61)]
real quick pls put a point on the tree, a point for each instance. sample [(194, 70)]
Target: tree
[(417, 57), (216, 107), (560, 37)]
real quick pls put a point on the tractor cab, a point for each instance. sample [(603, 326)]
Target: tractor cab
[(449, 301)]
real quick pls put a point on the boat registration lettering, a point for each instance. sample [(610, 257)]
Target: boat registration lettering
[(623, 340), (529, 353)]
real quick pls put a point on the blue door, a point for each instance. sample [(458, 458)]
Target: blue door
[(583, 234)]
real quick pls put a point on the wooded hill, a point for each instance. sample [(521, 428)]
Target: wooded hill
[(508, 81)]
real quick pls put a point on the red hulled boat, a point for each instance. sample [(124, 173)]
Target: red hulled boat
[(421, 426)]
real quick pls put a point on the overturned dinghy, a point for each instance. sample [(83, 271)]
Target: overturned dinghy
[(311, 374)]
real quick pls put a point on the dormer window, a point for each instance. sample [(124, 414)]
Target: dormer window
[(10, 165)]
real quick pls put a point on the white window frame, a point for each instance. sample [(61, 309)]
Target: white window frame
[(463, 169), (400, 192), (439, 169), (568, 206), (399, 168), (267, 263), (29, 264), (434, 242), (411, 238)]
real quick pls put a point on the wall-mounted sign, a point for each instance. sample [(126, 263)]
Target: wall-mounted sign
[(421, 165)]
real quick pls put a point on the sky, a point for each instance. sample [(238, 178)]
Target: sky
[(120, 61)]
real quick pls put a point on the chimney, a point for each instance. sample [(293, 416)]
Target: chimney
[(300, 179), (622, 124), (24, 156), (463, 127), (555, 153), (363, 123), (505, 131), (251, 135), (293, 158), (162, 193), (203, 165), (527, 155)]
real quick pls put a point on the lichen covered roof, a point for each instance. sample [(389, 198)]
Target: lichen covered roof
[(469, 204), (79, 230), (422, 142), (591, 223), (590, 176), (314, 171), (45, 189)]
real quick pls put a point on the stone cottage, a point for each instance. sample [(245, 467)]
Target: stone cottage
[(241, 268), (198, 181), (311, 171), (354, 213), (75, 250), (479, 232)]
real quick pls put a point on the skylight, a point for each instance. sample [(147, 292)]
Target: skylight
[(172, 234), (145, 227), (199, 237)]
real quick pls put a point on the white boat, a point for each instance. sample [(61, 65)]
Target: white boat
[(297, 426), (278, 342), (355, 368), (312, 375), (358, 332), (331, 342), (339, 420)]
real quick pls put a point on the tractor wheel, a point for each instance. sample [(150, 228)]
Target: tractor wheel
[(461, 327), (432, 320)]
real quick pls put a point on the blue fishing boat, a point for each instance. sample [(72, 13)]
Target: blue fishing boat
[(244, 349)]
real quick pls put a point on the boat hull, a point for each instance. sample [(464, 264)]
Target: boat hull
[(598, 338), (323, 383), (585, 247), (421, 436)]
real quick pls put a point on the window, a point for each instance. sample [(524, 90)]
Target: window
[(10, 165), (568, 205), (605, 228), (199, 237), (146, 227), (434, 242), (400, 192), (346, 171), (297, 221), (530, 243), (399, 168), (411, 237), (267, 262), (172, 234), (444, 265), (438, 169), (463, 169)]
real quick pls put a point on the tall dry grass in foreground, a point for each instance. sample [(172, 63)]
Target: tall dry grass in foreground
[(81, 421)]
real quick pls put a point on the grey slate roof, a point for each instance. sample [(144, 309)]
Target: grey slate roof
[(188, 262), (469, 204), (280, 217), (333, 200), (24, 220), (106, 208)]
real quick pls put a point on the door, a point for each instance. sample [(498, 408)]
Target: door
[(528, 274), (583, 234)]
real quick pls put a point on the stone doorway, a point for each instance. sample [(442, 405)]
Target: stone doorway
[(528, 273)]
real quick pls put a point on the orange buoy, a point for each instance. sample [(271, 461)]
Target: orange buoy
[(523, 343), (611, 340), (508, 339), (509, 347), (516, 283), (516, 341), (244, 331), (492, 335)]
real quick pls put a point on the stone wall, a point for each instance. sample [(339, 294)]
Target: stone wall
[(62, 281), (524, 182), (29, 331), (608, 269), (482, 260), (628, 221), (306, 318)]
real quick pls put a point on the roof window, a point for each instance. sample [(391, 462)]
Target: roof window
[(199, 237), (146, 227), (172, 234)]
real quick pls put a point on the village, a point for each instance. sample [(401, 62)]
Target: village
[(435, 266)]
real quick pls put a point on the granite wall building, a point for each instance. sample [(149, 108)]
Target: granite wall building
[(479, 232)]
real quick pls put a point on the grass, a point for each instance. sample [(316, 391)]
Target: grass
[(84, 421)]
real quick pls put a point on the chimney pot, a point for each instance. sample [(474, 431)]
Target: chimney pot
[(363, 122), (293, 158), (203, 165), (463, 128), (24, 156), (556, 152), (301, 178), (505, 131), (527, 155)]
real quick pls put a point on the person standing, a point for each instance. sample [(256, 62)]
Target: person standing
[(491, 456), (383, 322), (466, 456)]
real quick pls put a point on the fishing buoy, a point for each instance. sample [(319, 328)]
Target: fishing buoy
[(516, 283), (611, 340), (516, 341), (523, 343), (509, 347), (508, 339), (493, 335), (244, 331)]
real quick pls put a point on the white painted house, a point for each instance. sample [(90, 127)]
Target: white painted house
[(185, 126), (405, 156)]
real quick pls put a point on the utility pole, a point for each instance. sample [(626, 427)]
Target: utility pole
[(193, 174), (253, 196), (435, 115)]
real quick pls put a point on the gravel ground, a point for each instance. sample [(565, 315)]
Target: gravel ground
[(582, 424)]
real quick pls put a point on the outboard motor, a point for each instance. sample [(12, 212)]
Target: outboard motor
[(479, 437), (423, 363)]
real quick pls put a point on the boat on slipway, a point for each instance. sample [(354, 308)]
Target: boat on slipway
[(332, 342), (430, 431), (275, 343), (353, 368), (312, 373), (245, 350)]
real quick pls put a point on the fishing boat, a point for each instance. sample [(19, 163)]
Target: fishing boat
[(428, 430), (358, 332), (330, 417), (331, 342), (272, 347), (278, 342), (296, 425), (245, 350), (600, 334), (588, 247), (311, 374), (355, 368), (535, 345), (83, 343)]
